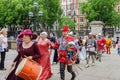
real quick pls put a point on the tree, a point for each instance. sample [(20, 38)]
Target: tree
[(116, 20), (54, 11), (67, 21), (16, 11), (100, 10)]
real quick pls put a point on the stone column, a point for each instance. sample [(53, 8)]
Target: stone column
[(97, 27)]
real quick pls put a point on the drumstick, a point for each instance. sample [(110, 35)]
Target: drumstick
[(31, 60), (9, 71)]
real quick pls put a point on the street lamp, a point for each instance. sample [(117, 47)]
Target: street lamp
[(34, 15), (35, 8), (87, 25), (40, 13)]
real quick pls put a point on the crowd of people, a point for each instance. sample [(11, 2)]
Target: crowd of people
[(46, 50)]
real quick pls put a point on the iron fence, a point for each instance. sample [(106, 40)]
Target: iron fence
[(58, 33)]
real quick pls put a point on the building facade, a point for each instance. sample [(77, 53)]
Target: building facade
[(71, 8), (117, 8)]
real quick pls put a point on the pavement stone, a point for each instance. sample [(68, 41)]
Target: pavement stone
[(108, 69)]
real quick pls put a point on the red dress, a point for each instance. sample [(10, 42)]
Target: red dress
[(44, 59)]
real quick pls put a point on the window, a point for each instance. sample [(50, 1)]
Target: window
[(63, 1), (63, 7), (70, 0), (68, 7), (81, 19), (119, 8), (63, 14), (69, 12)]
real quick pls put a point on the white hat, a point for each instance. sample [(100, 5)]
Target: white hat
[(45, 33), (90, 33), (99, 33), (71, 43), (70, 33)]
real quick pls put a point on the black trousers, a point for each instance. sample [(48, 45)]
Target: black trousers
[(2, 59), (69, 69)]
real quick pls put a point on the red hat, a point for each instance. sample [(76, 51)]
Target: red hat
[(27, 32), (65, 28)]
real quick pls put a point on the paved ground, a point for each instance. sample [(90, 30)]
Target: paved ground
[(108, 69)]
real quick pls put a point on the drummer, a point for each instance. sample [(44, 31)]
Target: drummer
[(28, 49)]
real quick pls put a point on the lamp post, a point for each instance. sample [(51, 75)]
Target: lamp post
[(34, 15), (87, 25), (40, 13), (35, 8)]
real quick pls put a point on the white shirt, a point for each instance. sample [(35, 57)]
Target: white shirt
[(4, 41)]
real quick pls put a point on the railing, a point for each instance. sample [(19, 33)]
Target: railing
[(12, 35)]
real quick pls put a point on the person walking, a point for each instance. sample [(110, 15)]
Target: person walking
[(108, 45), (44, 45), (53, 40), (101, 42), (4, 49), (91, 48), (64, 57), (28, 49)]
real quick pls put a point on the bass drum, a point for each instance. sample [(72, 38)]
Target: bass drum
[(28, 69)]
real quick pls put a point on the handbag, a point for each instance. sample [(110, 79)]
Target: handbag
[(6, 49)]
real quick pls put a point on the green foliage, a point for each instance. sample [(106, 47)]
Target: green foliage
[(53, 10), (116, 19), (67, 21), (100, 10), (16, 11)]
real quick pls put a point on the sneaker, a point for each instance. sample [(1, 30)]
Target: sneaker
[(93, 64), (87, 65)]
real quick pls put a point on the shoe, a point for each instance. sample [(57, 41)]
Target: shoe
[(3, 69), (99, 60), (87, 65), (93, 64), (73, 76)]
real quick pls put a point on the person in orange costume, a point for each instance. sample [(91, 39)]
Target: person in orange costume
[(108, 45), (63, 42)]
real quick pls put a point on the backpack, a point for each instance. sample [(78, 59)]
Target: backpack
[(91, 45)]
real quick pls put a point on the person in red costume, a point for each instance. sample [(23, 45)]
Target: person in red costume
[(64, 58), (101, 45)]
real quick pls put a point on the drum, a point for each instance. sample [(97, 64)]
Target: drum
[(28, 69)]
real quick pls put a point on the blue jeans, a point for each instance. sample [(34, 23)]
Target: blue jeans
[(119, 51)]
